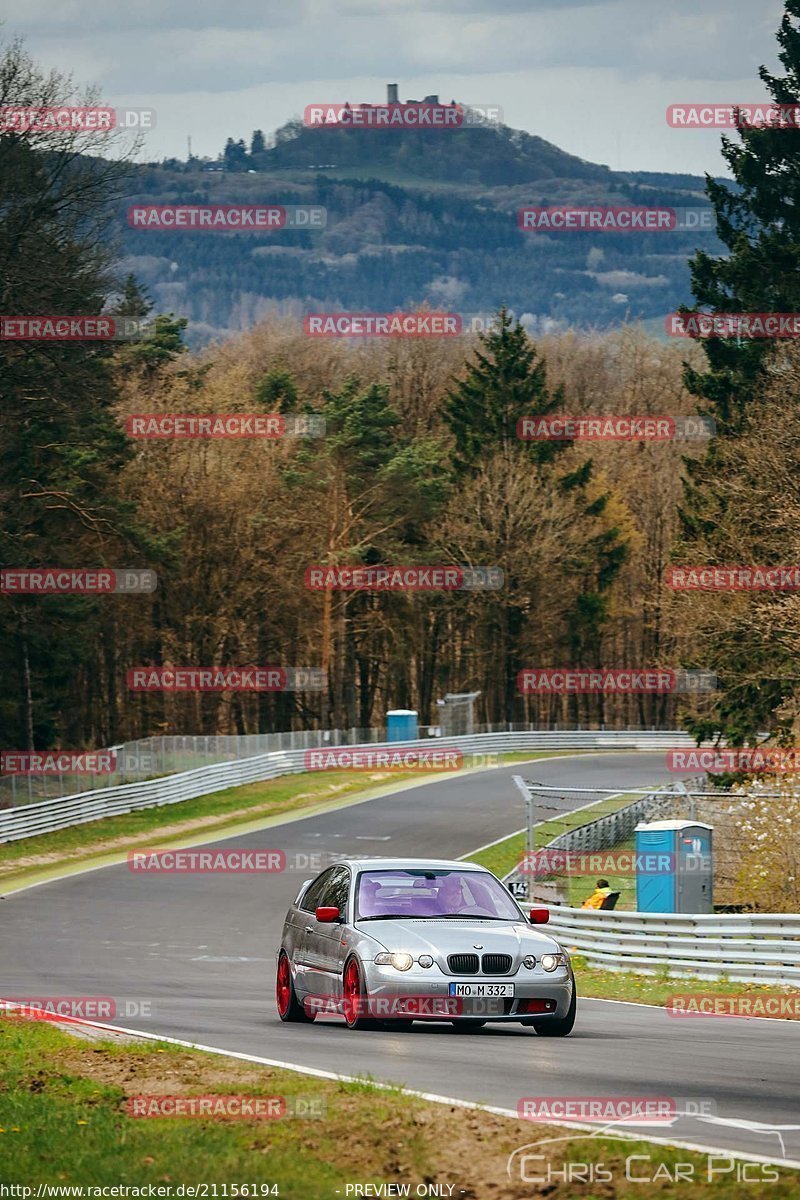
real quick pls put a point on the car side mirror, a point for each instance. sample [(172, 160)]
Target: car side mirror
[(327, 915), (540, 916)]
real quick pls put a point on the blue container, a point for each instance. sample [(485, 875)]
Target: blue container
[(674, 867), (401, 725)]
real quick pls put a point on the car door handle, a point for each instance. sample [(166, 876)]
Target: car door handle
[(309, 929)]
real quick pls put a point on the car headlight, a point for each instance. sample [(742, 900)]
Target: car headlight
[(400, 960), (425, 960), (550, 962), (529, 961)]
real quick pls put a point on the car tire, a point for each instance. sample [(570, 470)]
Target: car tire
[(289, 1007), (468, 1026), (562, 1026), (354, 997)]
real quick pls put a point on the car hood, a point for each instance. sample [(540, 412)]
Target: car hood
[(426, 935)]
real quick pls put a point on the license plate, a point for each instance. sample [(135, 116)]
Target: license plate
[(482, 989)]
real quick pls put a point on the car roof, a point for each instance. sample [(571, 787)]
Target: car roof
[(416, 864)]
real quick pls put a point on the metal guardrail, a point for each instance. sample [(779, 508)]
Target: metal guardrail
[(31, 820), (760, 948), (754, 948), (167, 754)]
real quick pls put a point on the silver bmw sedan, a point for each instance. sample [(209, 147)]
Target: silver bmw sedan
[(402, 940)]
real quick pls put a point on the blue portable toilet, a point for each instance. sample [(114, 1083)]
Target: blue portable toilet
[(401, 725), (674, 867)]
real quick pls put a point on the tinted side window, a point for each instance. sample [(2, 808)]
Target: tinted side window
[(338, 890), (312, 899)]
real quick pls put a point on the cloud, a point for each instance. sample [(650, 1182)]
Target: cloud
[(215, 69)]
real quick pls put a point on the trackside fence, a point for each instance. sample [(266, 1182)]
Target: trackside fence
[(759, 948), (752, 948), (30, 820)]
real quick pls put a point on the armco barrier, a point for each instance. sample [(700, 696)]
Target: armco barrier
[(755, 948), (30, 820)]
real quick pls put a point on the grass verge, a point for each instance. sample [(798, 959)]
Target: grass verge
[(595, 983), (64, 1121)]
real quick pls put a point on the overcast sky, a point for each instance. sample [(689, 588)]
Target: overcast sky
[(593, 76)]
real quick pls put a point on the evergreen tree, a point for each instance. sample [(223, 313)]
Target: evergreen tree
[(758, 220), (235, 155), (61, 449), (506, 381), (134, 301)]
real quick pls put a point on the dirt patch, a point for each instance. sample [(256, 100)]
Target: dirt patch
[(375, 1133)]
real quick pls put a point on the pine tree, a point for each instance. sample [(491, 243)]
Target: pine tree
[(506, 381), (62, 450), (134, 300), (759, 222)]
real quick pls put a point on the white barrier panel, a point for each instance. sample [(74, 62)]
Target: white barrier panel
[(746, 948)]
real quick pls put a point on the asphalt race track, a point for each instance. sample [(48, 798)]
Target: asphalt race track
[(200, 951)]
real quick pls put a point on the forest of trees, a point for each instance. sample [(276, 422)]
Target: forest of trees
[(420, 464), (390, 244)]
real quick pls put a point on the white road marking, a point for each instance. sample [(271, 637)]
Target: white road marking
[(431, 1097)]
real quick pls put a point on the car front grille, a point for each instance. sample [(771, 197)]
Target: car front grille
[(496, 964), (463, 964)]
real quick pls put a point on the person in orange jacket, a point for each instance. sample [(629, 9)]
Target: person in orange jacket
[(598, 895)]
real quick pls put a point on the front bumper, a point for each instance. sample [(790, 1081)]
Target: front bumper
[(424, 995)]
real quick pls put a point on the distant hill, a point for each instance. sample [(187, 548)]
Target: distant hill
[(474, 156), (413, 217)]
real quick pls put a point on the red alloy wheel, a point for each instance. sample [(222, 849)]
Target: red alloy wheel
[(283, 986), (352, 992)]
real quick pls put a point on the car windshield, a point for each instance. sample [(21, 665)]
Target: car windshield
[(417, 892)]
